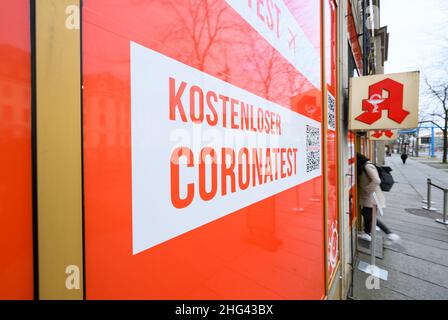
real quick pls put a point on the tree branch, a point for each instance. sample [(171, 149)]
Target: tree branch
[(434, 123), (434, 91)]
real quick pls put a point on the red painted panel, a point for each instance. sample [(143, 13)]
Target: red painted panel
[(272, 249), (16, 254), (352, 166), (353, 39), (332, 142)]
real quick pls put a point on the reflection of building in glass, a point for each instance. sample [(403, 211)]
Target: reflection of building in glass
[(106, 98), (15, 100)]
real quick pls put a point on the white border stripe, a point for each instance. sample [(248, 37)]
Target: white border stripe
[(291, 42)]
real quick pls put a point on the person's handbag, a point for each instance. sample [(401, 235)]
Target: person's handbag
[(387, 181)]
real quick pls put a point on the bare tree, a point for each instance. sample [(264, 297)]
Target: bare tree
[(438, 93)]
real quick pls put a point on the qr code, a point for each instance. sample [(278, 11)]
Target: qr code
[(331, 113), (312, 148)]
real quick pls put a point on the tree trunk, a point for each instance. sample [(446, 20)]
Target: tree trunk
[(445, 141), (417, 144), (445, 137)]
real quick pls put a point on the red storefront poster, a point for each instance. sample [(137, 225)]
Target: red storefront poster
[(330, 11), (16, 231), (202, 149)]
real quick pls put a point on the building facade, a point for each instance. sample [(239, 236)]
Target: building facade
[(185, 149)]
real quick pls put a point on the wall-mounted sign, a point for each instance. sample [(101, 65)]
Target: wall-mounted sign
[(383, 135), (263, 148), (384, 101)]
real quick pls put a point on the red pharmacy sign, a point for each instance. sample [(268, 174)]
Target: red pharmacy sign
[(384, 102)]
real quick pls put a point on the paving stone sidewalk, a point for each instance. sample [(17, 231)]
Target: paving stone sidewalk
[(418, 265)]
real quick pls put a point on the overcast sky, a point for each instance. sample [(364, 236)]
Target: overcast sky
[(415, 27)]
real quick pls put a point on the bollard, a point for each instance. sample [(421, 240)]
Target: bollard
[(428, 194), (428, 199), (445, 208)]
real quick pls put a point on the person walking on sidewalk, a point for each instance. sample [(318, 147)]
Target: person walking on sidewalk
[(369, 182), (404, 157)]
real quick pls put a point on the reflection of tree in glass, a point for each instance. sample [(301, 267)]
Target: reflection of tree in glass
[(266, 63), (204, 22), (274, 77), (210, 36)]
